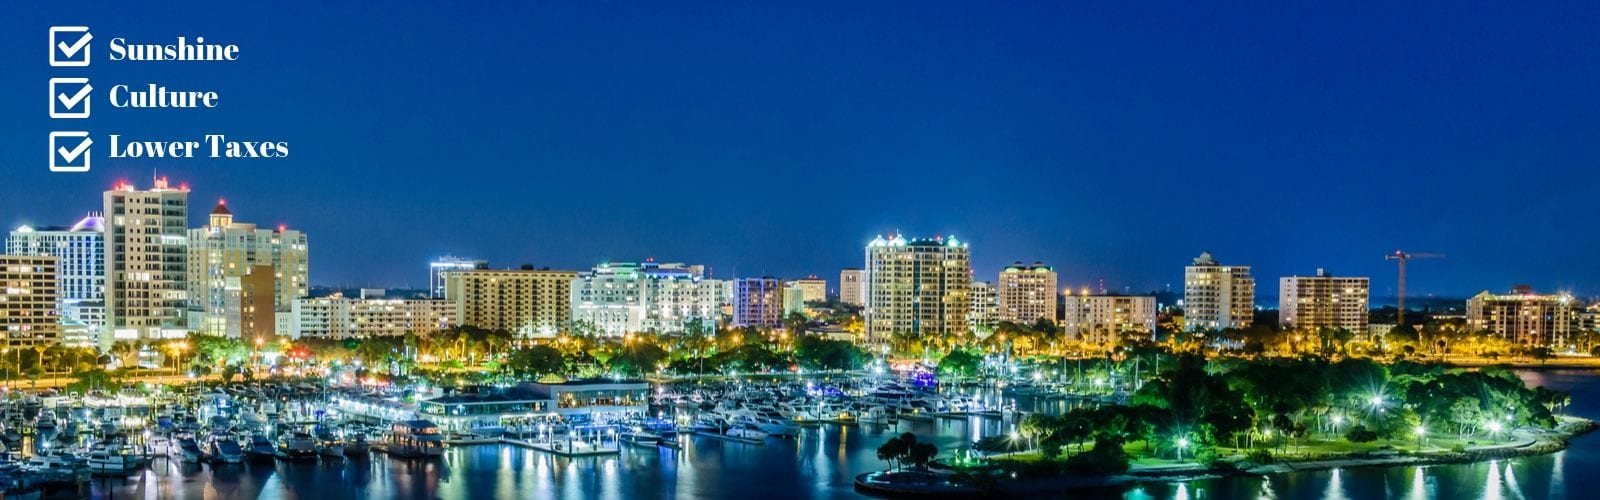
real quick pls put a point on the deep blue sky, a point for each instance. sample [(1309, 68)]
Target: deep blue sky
[(1115, 140)]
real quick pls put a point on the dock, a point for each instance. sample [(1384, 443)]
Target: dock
[(554, 449), (726, 437)]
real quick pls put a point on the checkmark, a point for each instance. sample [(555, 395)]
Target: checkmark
[(72, 50), (65, 156), (72, 102), (61, 91), (71, 155), (69, 46)]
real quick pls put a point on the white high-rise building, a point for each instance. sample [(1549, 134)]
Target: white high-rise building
[(1217, 296), (1100, 319), (616, 299), (147, 255), (917, 287), (852, 289), (985, 312), (1324, 300), (80, 272), (225, 249), (1027, 293), (446, 264)]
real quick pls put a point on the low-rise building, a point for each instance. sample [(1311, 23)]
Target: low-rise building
[(339, 317)]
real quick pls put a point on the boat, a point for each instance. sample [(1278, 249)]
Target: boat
[(225, 448), (357, 445), (45, 426), (260, 449), (114, 459), (56, 461), (189, 450), (746, 431), (330, 448), (159, 446), (641, 437), (296, 446), (413, 439)]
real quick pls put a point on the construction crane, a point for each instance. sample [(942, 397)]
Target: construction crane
[(1402, 257)]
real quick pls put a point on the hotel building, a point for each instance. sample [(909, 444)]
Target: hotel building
[(917, 287), (526, 302), (1027, 293), (147, 254), (615, 299), (1324, 300), (1216, 297), (812, 289), (28, 300)]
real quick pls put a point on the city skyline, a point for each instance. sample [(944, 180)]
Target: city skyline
[(1336, 142)]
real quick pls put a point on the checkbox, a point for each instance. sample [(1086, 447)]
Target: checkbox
[(69, 151), (69, 97), (69, 46)]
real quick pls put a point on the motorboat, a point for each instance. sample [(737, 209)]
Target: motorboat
[(159, 446), (189, 449), (225, 448), (357, 445), (297, 446), (114, 459), (330, 448), (260, 449)]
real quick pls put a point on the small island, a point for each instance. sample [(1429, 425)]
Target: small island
[(1211, 417)]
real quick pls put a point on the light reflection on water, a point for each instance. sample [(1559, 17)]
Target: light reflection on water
[(822, 463)]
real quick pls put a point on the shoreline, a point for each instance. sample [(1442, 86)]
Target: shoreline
[(1551, 441)]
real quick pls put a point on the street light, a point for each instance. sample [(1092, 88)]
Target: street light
[(1495, 428), (1183, 442), (1420, 431)]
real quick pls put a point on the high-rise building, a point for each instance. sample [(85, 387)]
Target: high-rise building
[(81, 249), (812, 288), (225, 250), (449, 263), (339, 317), (1324, 300), (985, 312), (852, 288), (526, 302), (147, 255), (616, 299), (249, 311), (1100, 319), (1524, 317), (80, 275), (916, 287), (1027, 293), (1217, 296), (28, 300), (757, 302)]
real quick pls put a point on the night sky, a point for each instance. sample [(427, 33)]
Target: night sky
[(1114, 140)]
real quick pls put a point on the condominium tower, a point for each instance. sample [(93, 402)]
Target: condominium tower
[(1217, 296), (224, 251), (28, 300), (851, 287), (1524, 317), (1027, 293), (916, 287), (147, 254), (525, 302), (1323, 301)]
